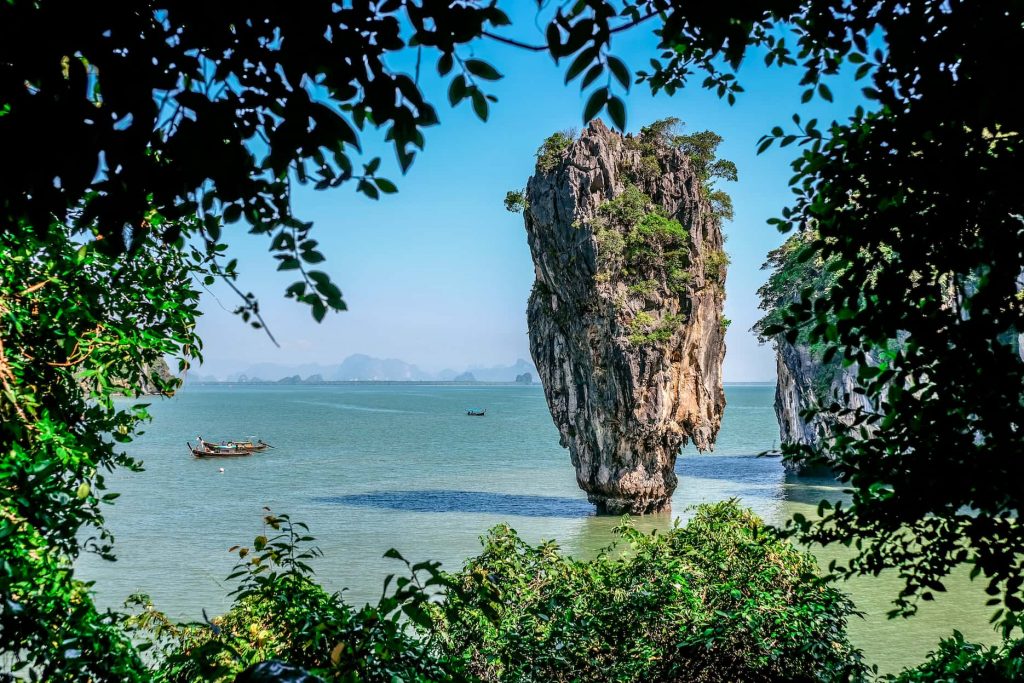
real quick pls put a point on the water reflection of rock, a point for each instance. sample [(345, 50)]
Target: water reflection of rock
[(760, 483), (810, 487), (467, 502)]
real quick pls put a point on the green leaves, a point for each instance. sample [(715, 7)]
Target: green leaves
[(581, 62), (620, 71), (719, 598), (617, 112), (281, 613), (457, 90), (595, 103), (80, 326), (460, 89), (482, 70)]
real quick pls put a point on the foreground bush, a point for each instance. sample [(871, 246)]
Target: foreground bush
[(720, 599), (281, 614), (957, 661)]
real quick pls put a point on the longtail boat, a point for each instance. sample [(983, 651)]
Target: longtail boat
[(212, 450), (476, 412), (249, 444)]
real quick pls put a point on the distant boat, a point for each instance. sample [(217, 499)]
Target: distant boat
[(476, 412), (213, 450), (249, 444), (205, 449)]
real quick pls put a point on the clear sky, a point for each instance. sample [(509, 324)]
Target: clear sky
[(438, 274)]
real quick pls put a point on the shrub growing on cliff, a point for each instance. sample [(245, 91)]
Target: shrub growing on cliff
[(702, 149), (720, 599), (551, 151), (515, 201), (715, 264), (645, 329), (637, 236)]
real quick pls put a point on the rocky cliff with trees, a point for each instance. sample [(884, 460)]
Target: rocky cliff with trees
[(810, 380), (625, 317)]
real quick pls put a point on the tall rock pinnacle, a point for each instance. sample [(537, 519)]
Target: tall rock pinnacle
[(625, 317)]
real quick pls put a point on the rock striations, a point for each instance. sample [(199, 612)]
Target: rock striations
[(625, 317), (805, 383), (808, 384)]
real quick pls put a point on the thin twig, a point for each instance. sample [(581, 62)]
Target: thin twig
[(255, 311), (5, 373), (37, 286)]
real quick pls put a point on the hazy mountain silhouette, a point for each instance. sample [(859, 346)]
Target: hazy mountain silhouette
[(363, 367)]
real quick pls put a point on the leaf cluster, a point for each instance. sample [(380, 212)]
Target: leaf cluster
[(636, 237), (280, 613), (79, 327), (552, 150), (215, 113), (515, 201), (701, 148), (933, 260), (645, 329), (715, 264), (720, 599), (966, 662)]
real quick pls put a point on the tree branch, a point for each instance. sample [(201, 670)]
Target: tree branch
[(543, 48)]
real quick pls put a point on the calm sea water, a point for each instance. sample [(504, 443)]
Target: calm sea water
[(373, 467)]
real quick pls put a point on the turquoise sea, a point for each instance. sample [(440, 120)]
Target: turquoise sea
[(372, 467)]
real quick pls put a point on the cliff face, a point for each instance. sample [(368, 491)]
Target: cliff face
[(161, 368), (805, 382), (625, 317)]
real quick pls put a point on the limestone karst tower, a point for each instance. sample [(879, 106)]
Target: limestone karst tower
[(625, 317)]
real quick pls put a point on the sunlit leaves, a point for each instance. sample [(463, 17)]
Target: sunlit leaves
[(79, 326), (280, 613), (547, 616)]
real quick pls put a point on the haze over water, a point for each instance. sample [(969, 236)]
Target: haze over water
[(373, 467)]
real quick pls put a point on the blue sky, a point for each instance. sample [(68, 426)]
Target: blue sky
[(439, 274)]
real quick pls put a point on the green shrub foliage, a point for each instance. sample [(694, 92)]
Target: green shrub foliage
[(958, 661), (637, 239), (701, 148), (79, 325), (719, 599), (553, 149), (281, 613), (515, 201)]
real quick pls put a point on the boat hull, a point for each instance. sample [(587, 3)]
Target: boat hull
[(220, 454)]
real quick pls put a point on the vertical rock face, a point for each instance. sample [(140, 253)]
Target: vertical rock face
[(805, 382), (625, 317), (160, 367)]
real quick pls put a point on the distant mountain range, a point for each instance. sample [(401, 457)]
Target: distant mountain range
[(361, 367)]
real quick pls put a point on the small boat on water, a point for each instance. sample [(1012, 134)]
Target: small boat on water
[(476, 412), (213, 450), (254, 446), (205, 449)]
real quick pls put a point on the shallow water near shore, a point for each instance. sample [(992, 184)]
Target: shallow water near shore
[(373, 467)]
